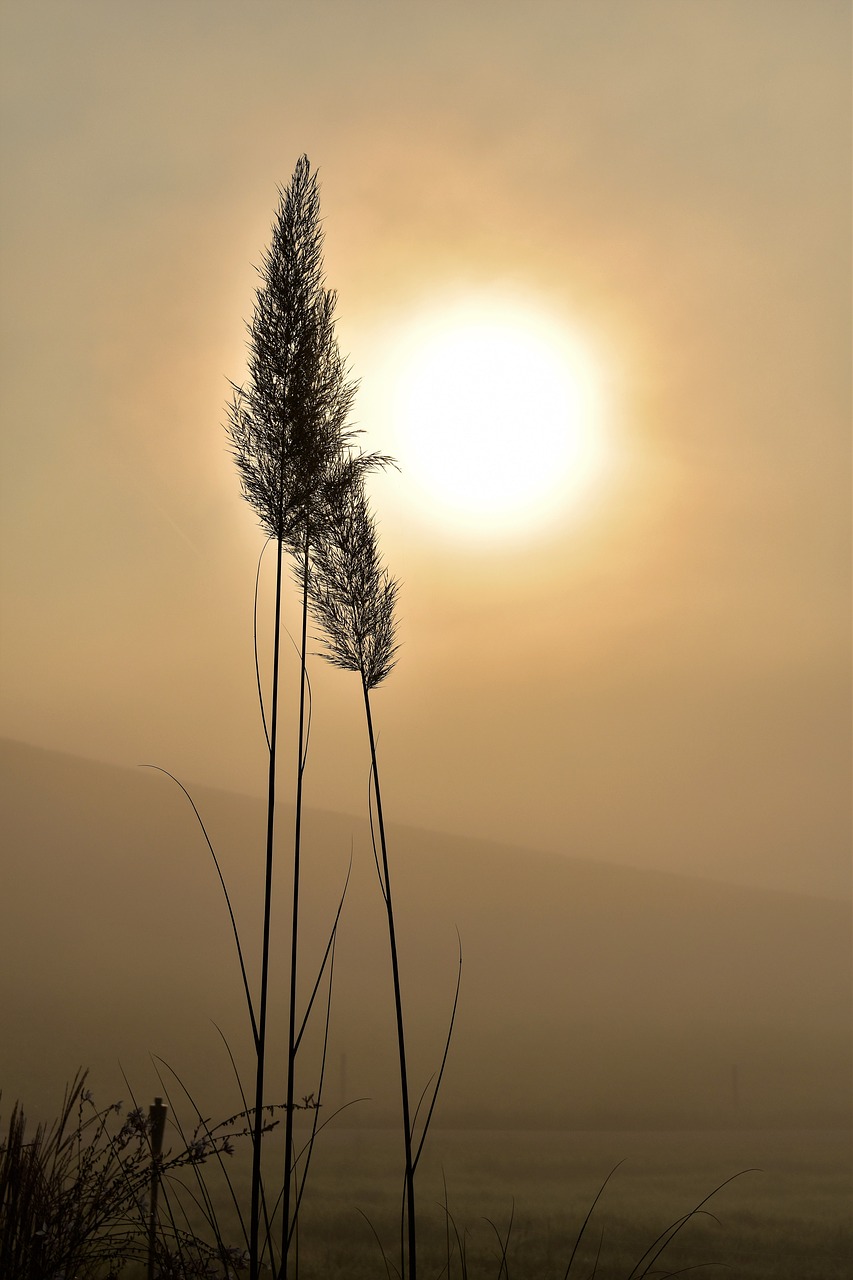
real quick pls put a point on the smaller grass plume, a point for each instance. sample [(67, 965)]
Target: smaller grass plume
[(353, 598)]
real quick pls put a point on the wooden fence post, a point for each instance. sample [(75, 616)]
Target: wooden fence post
[(157, 1118)]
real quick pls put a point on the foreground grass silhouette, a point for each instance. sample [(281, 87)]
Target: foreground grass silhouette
[(73, 1202), (77, 1195)]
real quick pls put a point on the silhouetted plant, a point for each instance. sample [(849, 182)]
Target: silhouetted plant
[(74, 1197), (300, 472), (287, 428), (310, 1103), (353, 599)]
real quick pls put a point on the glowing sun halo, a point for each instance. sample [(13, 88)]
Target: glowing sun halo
[(496, 418)]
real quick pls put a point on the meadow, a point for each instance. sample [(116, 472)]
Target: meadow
[(789, 1217)]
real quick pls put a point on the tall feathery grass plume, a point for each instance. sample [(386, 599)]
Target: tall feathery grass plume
[(353, 599), (353, 596), (287, 428)]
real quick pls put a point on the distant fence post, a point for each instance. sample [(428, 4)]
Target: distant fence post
[(157, 1119)]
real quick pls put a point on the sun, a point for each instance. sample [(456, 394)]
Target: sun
[(496, 417)]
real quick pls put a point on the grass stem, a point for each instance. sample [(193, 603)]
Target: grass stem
[(409, 1176)]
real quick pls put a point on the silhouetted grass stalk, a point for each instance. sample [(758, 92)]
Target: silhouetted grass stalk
[(234, 930), (287, 432), (327, 962), (254, 1210), (409, 1175), (294, 933), (353, 598)]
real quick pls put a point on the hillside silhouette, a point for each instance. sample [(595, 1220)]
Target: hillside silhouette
[(593, 995)]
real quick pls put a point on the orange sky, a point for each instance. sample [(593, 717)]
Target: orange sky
[(662, 681)]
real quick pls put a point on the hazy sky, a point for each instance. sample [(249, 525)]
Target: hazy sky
[(659, 675)]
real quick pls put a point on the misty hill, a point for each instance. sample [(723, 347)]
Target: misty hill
[(592, 995)]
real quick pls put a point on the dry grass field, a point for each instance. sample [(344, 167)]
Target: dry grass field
[(788, 1220)]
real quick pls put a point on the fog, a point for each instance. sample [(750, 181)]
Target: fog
[(592, 996), (660, 678), (616, 748)]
